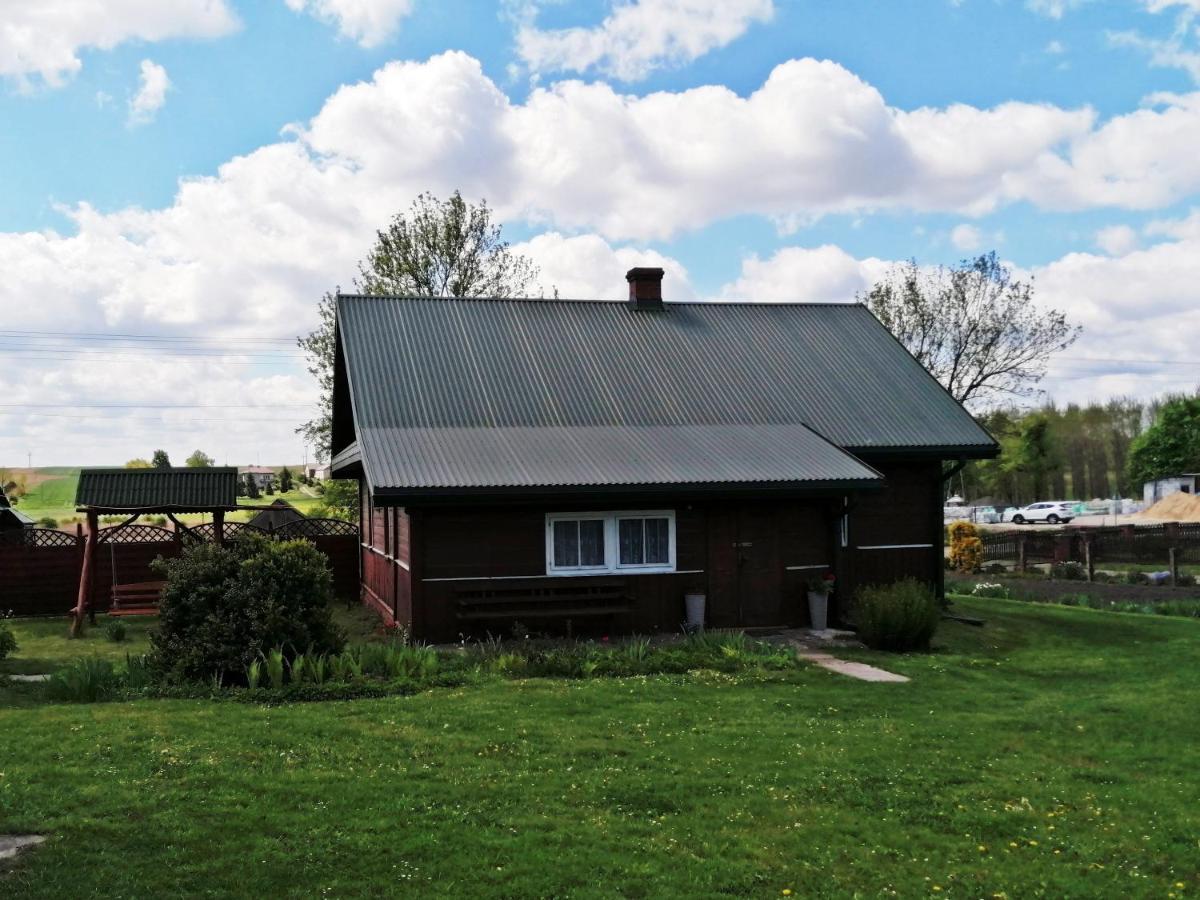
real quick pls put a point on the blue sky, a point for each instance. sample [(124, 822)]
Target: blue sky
[(208, 169)]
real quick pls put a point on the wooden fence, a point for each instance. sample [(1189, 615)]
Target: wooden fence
[(1169, 546), (39, 568)]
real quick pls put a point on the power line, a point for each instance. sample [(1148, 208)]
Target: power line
[(157, 405), (114, 336), (142, 418)]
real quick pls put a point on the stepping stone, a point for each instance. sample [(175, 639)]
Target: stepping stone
[(861, 671), (12, 844)]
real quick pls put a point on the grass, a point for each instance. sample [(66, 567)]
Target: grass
[(43, 644), (1043, 755)]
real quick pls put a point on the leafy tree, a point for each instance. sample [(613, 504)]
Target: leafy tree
[(1170, 446), (199, 460), (438, 248), (1036, 454), (160, 460), (340, 500), (138, 463), (285, 480), (252, 486), (973, 326)]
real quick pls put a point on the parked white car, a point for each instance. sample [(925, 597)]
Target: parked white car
[(1052, 512)]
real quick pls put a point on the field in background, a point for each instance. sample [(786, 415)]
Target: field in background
[(51, 494)]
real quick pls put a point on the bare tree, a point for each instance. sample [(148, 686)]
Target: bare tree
[(438, 248), (973, 326)]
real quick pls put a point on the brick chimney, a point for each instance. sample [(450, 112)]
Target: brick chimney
[(645, 288)]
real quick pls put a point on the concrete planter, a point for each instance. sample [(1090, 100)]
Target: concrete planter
[(818, 610), (694, 604)]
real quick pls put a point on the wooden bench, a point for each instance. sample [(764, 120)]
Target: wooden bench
[(136, 599), (539, 600)]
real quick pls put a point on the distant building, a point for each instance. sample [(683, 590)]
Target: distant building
[(318, 473), (1153, 491), (262, 475), (280, 514)]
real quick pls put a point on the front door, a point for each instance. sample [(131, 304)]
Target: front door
[(745, 579)]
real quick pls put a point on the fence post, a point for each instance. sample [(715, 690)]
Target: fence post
[(1021, 560), (1087, 557), (1173, 556)]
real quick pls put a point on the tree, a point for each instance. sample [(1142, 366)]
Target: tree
[(199, 460), (1170, 446), (340, 500), (285, 480), (160, 460), (252, 486), (973, 326), (437, 248), (138, 463), (1036, 455), (270, 487)]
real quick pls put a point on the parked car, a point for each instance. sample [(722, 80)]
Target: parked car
[(1052, 512)]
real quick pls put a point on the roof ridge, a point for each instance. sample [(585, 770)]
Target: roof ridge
[(601, 302)]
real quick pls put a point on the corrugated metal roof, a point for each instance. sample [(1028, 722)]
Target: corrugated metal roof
[(591, 379), (180, 489), (605, 455)]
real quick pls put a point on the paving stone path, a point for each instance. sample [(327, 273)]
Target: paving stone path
[(12, 844), (814, 646)]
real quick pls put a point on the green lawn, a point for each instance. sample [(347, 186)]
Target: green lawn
[(1051, 754), (44, 645)]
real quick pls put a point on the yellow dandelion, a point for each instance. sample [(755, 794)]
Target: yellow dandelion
[(1180, 885), (1033, 843), (787, 892)]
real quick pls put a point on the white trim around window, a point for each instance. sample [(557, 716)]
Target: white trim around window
[(590, 559)]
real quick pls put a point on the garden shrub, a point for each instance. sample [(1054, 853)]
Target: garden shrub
[(47, 522), (897, 617), (1185, 580), (1069, 571), (115, 631), (991, 590), (8, 641), (1135, 577), (85, 680), (224, 607), (966, 548)]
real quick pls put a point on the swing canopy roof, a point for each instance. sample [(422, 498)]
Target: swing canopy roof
[(173, 490)]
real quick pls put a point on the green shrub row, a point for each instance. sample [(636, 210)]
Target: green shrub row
[(1186, 608)]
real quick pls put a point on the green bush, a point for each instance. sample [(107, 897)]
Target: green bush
[(115, 631), (1133, 576), (897, 617), (1069, 571), (85, 680), (47, 522), (224, 607), (8, 641)]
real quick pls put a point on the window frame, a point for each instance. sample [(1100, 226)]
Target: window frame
[(612, 549)]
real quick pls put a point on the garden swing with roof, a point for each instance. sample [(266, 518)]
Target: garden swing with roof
[(138, 492)]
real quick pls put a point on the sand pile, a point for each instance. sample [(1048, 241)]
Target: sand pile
[(1178, 507)]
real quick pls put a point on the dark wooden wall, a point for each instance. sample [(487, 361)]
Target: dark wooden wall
[(386, 558), (907, 511)]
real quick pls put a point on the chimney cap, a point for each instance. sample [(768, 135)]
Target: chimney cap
[(644, 273)]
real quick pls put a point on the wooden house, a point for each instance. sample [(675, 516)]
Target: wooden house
[(595, 461)]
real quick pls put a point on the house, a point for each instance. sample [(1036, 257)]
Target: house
[(596, 461), (1153, 491), (262, 475), (279, 514), (318, 473), (10, 517)]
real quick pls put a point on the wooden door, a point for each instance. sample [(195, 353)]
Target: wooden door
[(745, 576)]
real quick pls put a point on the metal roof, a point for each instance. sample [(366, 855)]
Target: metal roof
[(179, 489), (280, 513), (471, 392)]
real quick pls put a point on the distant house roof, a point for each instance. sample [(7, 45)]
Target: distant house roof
[(255, 470), (453, 394), (178, 489), (280, 513)]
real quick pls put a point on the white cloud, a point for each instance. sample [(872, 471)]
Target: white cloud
[(639, 36), (41, 39), (589, 267), (825, 274), (1055, 9), (153, 85), (369, 22), (246, 251), (966, 237), (1117, 240)]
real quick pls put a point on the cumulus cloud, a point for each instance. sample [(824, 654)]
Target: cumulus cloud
[(369, 22), (153, 84), (966, 237), (40, 41), (639, 36), (1116, 240), (825, 274), (590, 268)]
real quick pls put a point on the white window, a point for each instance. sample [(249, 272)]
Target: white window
[(598, 543)]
